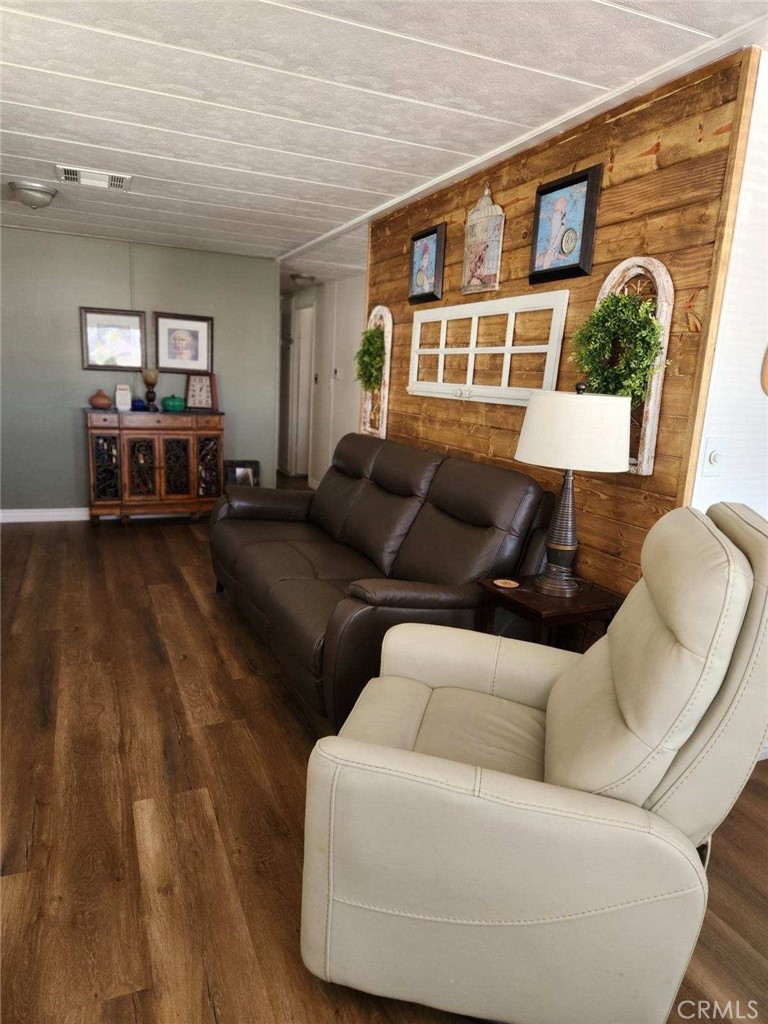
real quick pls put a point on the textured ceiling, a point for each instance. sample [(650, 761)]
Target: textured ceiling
[(262, 126)]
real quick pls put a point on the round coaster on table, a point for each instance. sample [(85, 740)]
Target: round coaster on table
[(506, 584)]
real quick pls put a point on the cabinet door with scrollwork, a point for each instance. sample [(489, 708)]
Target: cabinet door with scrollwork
[(141, 466), (177, 476), (106, 485), (209, 465)]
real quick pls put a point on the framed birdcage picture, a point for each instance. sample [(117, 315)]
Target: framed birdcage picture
[(425, 277), (483, 237)]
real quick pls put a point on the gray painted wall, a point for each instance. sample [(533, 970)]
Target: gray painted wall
[(46, 278)]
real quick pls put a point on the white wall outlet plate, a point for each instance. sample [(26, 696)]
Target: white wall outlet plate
[(713, 456)]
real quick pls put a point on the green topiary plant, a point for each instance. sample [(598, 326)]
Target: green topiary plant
[(370, 359), (617, 347)]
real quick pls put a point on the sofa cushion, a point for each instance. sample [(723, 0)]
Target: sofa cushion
[(342, 484), (383, 512), (262, 565), (298, 612), (473, 524), (230, 537)]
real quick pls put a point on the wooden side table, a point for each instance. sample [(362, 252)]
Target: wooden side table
[(591, 604)]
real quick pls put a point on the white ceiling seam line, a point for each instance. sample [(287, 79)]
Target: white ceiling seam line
[(655, 17), (394, 97), (115, 211), (240, 110), (136, 241), (666, 72), (197, 163), (149, 225), (72, 222), (177, 199), (433, 43), (211, 138)]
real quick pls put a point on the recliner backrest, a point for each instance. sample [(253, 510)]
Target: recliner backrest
[(382, 513), (352, 463), (474, 523), (617, 720), (709, 771)]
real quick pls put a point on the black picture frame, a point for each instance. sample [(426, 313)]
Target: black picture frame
[(436, 292), (583, 264), (234, 468), (88, 313), (200, 326)]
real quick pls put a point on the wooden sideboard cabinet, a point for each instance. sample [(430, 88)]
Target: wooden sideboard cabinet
[(154, 462)]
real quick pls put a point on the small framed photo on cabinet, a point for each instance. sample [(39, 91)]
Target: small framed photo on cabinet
[(201, 392), (425, 278), (184, 344)]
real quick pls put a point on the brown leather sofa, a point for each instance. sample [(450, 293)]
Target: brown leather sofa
[(392, 534)]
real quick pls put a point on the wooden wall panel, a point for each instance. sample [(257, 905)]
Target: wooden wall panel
[(670, 177)]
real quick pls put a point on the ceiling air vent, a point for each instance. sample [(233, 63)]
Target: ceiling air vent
[(94, 179)]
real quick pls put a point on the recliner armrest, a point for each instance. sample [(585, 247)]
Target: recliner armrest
[(387, 593), (267, 503)]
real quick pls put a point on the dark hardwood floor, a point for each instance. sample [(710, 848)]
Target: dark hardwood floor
[(152, 804)]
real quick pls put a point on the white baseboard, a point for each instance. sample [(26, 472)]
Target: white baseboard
[(314, 484), (43, 515)]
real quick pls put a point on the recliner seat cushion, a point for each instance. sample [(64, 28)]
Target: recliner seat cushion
[(449, 722), (231, 537), (473, 523), (616, 720)]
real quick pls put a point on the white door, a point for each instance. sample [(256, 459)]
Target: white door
[(301, 390)]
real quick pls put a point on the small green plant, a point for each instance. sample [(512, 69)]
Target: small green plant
[(370, 359), (617, 347)]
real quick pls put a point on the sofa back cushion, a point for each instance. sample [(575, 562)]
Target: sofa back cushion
[(352, 462), (382, 513), (473, 524), (616, 720)]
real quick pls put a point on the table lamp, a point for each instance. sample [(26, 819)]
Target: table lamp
[(568, 431)]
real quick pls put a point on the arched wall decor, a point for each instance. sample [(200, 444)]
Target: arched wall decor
[(649, 278), (374, 404)]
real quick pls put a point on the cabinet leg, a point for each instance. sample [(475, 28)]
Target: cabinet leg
[(124, 520), (95, 520), (219, 587)]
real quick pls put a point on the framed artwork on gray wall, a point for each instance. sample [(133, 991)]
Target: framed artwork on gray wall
[(183, 344), (112, 339)]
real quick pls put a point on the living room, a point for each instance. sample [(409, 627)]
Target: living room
[(384, 541)]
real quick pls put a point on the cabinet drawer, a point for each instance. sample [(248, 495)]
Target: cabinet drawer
[(158, 420), (208, 422), (102, 419)]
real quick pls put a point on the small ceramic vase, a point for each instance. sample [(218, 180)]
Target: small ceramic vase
[(100, 400)]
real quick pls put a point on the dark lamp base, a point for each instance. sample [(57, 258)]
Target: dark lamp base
[(556, 582), (561, 545)]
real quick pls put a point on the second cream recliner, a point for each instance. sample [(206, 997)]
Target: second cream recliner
[(511, 831)]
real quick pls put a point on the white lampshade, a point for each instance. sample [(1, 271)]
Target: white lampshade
[(564, 430)]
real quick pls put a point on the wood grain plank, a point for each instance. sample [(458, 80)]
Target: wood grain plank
[(204, 968)]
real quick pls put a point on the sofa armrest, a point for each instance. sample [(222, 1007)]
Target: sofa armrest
[(267, 503), (441, 656), (521, 893), (387, 593)]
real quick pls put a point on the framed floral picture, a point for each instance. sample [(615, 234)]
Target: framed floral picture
[(112, 339), (425, 277), (564, 226), (184, 344)]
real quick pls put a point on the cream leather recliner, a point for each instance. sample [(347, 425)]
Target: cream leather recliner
[(510, 831)]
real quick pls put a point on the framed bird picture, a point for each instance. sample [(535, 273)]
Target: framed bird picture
[(427, 258)]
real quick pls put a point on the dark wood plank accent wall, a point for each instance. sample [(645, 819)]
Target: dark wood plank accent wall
[(672, 167)]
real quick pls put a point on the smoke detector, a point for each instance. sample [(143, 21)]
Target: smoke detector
[(94, 179)]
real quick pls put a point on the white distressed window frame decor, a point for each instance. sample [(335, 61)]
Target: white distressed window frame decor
[(556, 301)]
